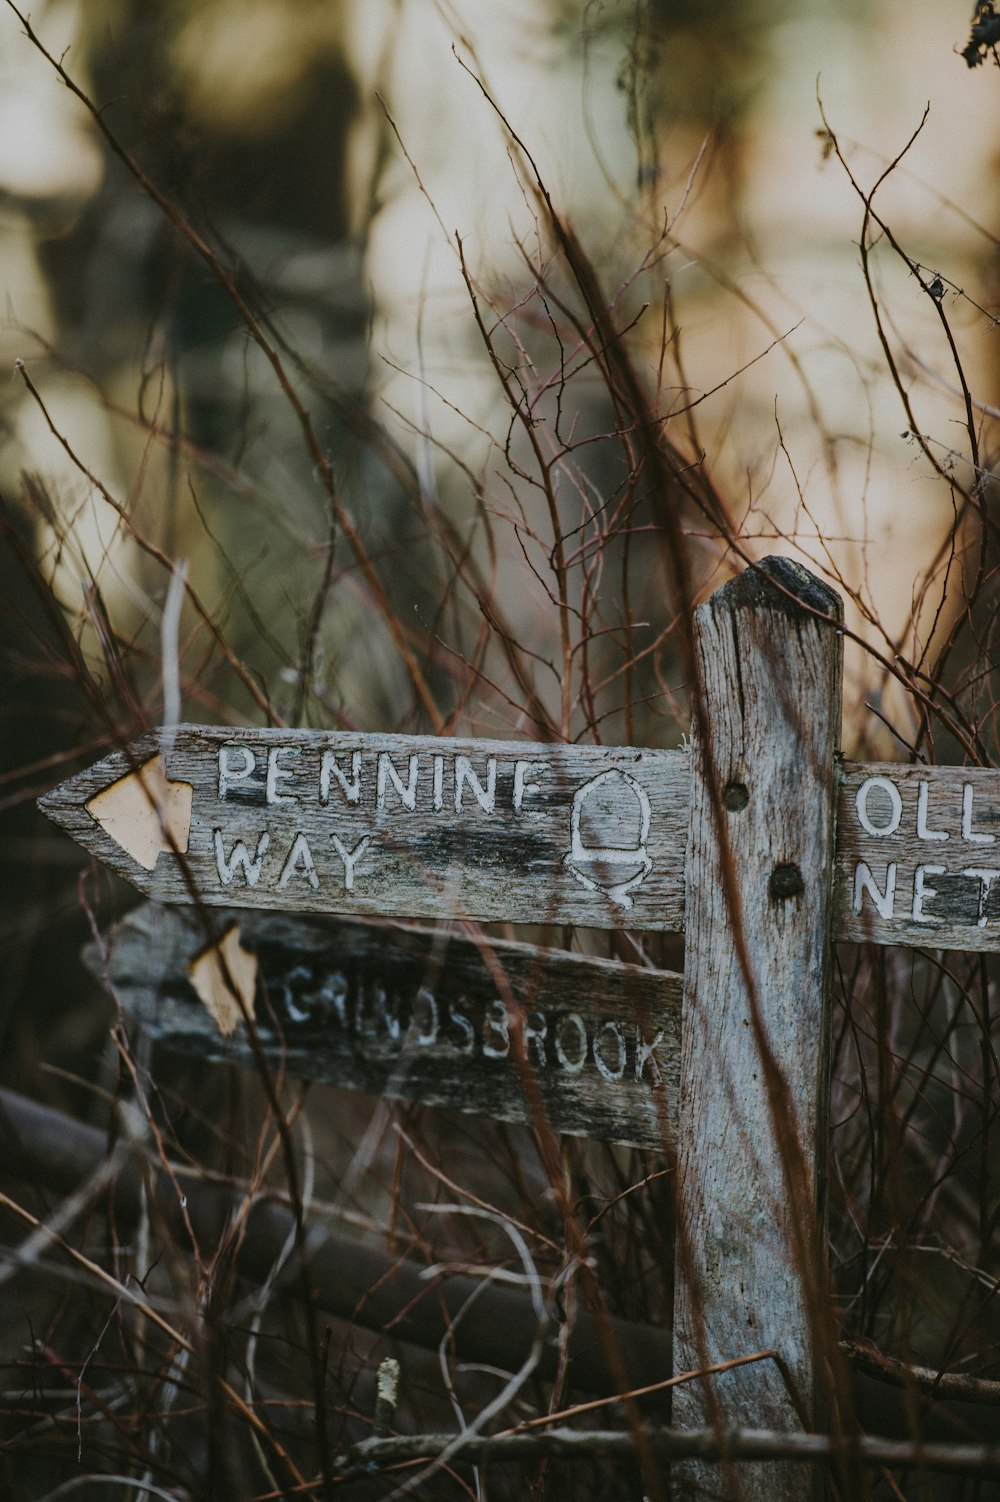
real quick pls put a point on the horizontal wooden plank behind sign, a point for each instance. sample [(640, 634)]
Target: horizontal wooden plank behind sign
[(419, 1016), (390, 826), (419, 827), (918, 856)]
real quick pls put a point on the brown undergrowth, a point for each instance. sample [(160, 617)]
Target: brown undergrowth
[(204, 1267)]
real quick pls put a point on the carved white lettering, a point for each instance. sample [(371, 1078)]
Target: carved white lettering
[(228, 772), (240, 860), (364, 1025), (277, 773), (293, 1011), (425, 1028), (486, 796), (334, 992), (864, 881), (438, 783), (350, 858), (496, 1021), (535, 1031), (923, 832), (986, 876), (299, 863), (465, 1027), (330, 767), (387, 773), (891, 791), (923, 893), (617, 1069), (523, 788), (968, 833), (571, 1042), (379, 1018), (389, 1015), (645, 1053)]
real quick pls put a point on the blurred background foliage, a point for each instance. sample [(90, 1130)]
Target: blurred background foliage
[(349, 166)]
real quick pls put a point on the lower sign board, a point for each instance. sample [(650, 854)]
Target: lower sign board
[(499, 1029)]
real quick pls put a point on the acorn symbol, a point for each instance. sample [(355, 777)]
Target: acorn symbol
[(609, 827)]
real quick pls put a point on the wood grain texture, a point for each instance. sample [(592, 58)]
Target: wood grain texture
[(754, 1054), (421, 1016), (396, 826), (926, 869), (535, 853)]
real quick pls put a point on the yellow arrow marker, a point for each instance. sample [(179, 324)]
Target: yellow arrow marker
[(222, 974), (144, 812)]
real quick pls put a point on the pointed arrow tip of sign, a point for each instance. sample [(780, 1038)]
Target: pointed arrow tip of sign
[(144, 812), (46, 804)]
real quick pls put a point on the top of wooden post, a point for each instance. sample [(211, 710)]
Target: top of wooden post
[(779, 584)]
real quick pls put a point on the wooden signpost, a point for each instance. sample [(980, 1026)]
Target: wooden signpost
[(760, 846)]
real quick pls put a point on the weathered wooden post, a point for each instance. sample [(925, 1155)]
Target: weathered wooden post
[(755, 1029)]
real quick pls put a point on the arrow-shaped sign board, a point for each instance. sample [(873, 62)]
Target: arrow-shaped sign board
[(390, 826), (494, 1029), (394, 826)]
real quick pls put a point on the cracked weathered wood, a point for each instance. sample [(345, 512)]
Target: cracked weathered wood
[(505, 830), (390, 826), (418, 1016), (918, 856), (755, 1025)]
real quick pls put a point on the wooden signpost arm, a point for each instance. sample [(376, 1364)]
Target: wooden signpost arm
[(410, 1014), (755, 1039)]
